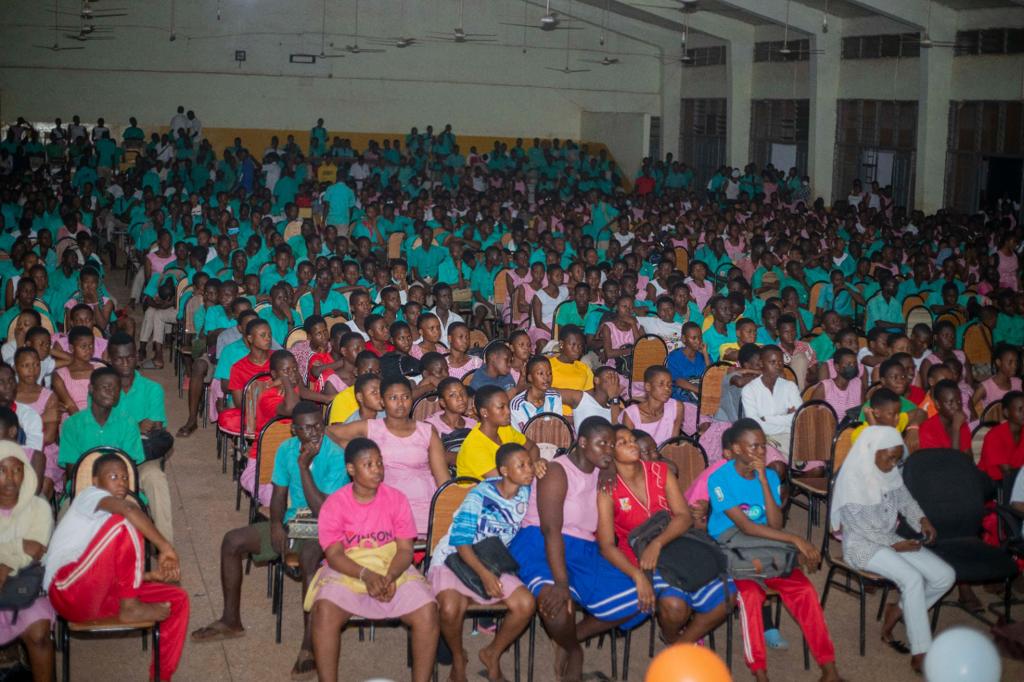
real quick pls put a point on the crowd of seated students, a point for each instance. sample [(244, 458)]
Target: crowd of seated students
[(389, 262)]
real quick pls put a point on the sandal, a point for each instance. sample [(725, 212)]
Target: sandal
[(896, 645), (305, 666), (216, 632), (185, 431)]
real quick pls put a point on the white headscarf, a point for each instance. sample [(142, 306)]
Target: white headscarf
[(860, 481)]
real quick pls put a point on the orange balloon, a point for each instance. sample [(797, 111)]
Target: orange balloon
[(687, 663)]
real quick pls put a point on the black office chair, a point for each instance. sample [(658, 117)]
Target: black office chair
[(952, 493)]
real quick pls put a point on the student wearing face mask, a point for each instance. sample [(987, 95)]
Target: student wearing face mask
[(846, 389)]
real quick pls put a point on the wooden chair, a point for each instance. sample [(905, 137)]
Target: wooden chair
[(478, 338), (425, 406), (688, 456), (334, 319), (814, 295), (682, 259), (274, 433), (770, 279), (81, 478), (550, 428), (789, 374), (250, 396), (295, 336), (554, 318), (955, 319), (831, 551), (911, 302), (468, 378), (395, 245), (811, 439), (919, 314), (978, 437), (808, 393), (187, 330), (978, 344), (993, 412), (648, 351), (711, 389), (443, 506), (841, 446)]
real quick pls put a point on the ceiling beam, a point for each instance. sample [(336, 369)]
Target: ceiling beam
[(800, 16), (925, 16), (708, 23)]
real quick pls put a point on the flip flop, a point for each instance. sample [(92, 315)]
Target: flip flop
[(213, 633), (304, 669), (896, 645), (185, 432)]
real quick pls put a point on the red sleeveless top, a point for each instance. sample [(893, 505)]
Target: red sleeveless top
[(630, 512)]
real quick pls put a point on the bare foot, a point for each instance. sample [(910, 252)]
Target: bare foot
[(187, 430), (459, 663), (132, 610), (568, 664), (829, 673), (218, 631), (305, 666), (761, 675), (492, 661)]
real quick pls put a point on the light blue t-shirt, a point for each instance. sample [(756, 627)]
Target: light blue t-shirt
[(727, 489), (484, 513), (327, 469)]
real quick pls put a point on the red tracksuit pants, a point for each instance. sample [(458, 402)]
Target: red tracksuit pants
[(110, 570), (801, 600)]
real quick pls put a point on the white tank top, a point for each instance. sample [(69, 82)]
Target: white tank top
[(589, 407)]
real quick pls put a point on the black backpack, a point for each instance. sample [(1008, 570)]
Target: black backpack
[(689, 562), (394, 365)]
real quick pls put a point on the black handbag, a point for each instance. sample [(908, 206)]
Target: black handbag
[(688, 562), (21, 590), (495, 557)]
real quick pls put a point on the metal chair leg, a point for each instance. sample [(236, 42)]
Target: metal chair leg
[(881, 604), (650, 643), (530, 654), (863, 607), (625, 655), (156, 649), (516, 652), (65, 648)]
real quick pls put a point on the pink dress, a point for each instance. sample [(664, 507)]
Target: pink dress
[(517, 281), (472, 364), (1008, 266), (158, 263), (840, 400), (417, 350), (992, 391), (700, 294), (407, 466), (442, 428), (711, 441), (53, 472), (660, 430), (78, 389), (579, 511)]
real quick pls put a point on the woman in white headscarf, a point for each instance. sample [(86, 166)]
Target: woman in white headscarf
[(867, 499)]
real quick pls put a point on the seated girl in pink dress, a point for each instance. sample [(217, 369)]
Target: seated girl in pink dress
[(71, 383), (460, 363), (659, 414), (80, 316), (44, 402), (1006, 360), (414, 461), (429, 327), (454, 400), (367, 530)]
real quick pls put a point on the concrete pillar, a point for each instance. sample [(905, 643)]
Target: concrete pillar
[(671, 94), (936, 72), (824, 92), (741, 69)]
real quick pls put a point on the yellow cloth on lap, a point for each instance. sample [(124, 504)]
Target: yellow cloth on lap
[(376, 559)]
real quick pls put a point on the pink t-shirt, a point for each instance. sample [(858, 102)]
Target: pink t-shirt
[(385, 519), (698, 490)]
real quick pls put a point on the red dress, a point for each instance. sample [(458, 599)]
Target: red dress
[(630, 512), (241, 372)]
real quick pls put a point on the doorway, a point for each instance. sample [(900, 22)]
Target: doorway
[(1003, 179)]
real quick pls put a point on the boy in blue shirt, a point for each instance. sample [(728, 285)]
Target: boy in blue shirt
[(745, 498), (307, 469)]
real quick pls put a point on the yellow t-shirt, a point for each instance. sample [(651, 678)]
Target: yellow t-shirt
[(901, 424), (576, 376), (327, 172), (476, 456), (343, 406)]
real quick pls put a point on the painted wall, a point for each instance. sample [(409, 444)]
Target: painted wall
[(625, 135), (501, 88)]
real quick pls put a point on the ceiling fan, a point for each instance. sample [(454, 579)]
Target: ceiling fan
[(401, 42), (684, 57), (459, 35), (786, 51), (323, 35), (566, 69), (88, 12), (354, 47), (85, 37), (549, 22), (56, 46), (925, 42), (605, 60)]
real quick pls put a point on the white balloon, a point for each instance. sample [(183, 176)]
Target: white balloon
[(962, 654)]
